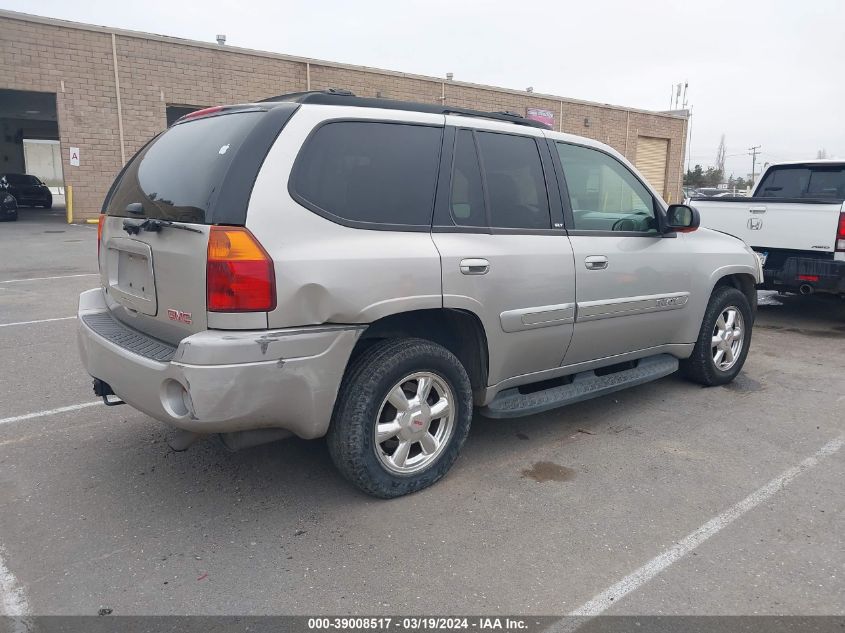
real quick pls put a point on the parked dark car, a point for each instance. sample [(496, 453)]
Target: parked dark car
[(8, 207), (28, 190)]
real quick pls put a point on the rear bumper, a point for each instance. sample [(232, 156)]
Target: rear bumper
[(822, 275), (220, 381)]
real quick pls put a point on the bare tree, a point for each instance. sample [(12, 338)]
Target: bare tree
[(822, 153), (720, 157)]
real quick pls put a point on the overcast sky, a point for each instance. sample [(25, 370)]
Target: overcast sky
[(767, 72)]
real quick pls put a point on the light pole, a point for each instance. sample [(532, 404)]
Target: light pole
[(753, 152)]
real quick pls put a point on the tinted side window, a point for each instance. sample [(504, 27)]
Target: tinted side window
[(467, 202), (516, 187), (604, 194), (381, 173)]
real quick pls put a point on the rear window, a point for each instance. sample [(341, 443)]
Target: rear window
[(803, 182), (370, 173), (178, 176)]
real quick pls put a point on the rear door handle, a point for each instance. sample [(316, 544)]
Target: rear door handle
[(757, 210), (596, 262), (475, 266)]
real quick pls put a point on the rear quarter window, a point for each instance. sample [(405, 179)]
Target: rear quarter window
[(369, 174)]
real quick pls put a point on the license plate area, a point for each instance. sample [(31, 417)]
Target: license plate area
[(131, 281)]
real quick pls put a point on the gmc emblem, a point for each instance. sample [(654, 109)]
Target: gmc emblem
[(178, 315)]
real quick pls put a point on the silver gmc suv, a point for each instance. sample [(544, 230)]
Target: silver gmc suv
[(371, 271)]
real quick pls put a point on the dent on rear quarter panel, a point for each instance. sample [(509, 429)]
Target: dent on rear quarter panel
[(354, 278)]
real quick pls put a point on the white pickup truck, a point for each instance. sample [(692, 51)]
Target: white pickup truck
[(795, 220)]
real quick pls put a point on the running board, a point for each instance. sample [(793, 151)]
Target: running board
[(510, 403)]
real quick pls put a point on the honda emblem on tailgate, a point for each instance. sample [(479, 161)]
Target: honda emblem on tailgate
[(755, 224), (178, 315)]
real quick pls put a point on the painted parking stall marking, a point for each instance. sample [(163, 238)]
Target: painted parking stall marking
[(17, 281), (41, 414), (12, 598), (37, 321), (613, 594)]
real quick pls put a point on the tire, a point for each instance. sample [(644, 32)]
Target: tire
[(701, 366), (366, 398), (48, 205)]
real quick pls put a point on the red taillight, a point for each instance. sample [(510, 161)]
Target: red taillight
[(840, 234), (808, 277), (239, 272), (100, 222)]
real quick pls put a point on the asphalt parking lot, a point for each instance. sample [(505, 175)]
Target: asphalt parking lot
[(585, 508)]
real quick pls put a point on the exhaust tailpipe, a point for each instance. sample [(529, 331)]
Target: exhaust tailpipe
[(805, 289)]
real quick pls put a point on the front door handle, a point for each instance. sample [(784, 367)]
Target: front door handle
[(596, 262), (757, 210), (475, 266)]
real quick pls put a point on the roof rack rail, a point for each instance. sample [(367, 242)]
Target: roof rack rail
[(340, 96)]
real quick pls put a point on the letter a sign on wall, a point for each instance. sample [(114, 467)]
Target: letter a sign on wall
[(74, 156)]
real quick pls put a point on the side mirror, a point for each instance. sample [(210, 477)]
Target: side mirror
[(682, 218)]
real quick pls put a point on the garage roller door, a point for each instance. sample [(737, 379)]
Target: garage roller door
[(652, 154)]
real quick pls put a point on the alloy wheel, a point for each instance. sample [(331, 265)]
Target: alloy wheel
[(728, 338), (415, 423)]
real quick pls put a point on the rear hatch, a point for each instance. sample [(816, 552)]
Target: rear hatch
[(159, 211)]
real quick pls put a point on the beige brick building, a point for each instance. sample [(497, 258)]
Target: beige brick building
[(115, 89)]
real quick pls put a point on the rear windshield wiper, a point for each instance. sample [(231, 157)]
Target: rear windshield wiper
[(154, 226)]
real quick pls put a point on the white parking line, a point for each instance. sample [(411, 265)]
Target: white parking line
[(634, 580), (12, 598), (37, 321), (41, 414), (16, 281)]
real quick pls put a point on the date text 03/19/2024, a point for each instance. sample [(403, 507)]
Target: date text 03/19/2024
[(411, 623)]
